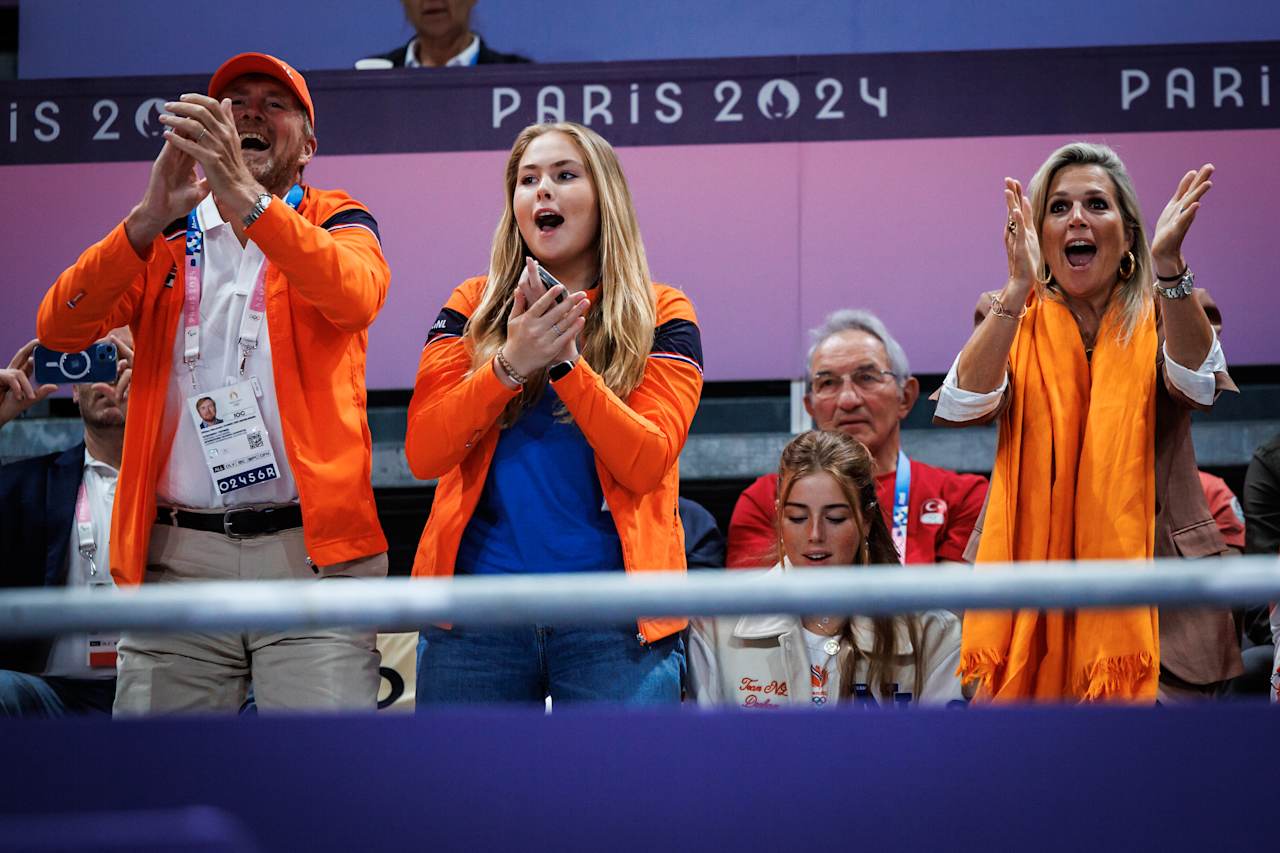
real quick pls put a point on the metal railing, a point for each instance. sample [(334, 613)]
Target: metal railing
[(613, 597)]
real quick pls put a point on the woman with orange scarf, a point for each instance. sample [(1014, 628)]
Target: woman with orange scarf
[(1091, 357)]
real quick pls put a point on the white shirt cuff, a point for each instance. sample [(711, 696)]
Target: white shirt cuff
[(1199, 385), (958, 405)]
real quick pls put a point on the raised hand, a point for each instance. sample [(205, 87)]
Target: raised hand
[(1020, 244), (205, 130), (173, 189), (16, 391), (1176, 218), (540, 331)]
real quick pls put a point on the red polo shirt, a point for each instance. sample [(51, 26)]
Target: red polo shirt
[(1225, 508), (943, 508)]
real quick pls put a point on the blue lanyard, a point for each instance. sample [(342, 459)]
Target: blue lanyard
[(193, 285), (195, 236), (901, 504)]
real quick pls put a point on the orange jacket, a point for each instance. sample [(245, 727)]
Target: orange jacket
[(326, 280), (453, 433)]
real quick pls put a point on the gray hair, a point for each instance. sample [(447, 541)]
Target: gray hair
[(859, 320)]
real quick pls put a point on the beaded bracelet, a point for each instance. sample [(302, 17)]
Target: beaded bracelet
[(518, 378)]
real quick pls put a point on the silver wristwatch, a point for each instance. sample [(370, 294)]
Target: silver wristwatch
[(1182, 289), (259, 207)]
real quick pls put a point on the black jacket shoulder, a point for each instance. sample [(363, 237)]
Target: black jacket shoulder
[(37, 501), (487, 56), (37, 505)]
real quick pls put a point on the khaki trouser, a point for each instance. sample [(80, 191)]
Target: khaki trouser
[(305, 669)]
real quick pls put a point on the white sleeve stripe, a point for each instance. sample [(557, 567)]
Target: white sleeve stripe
[(672, 356), (343, 225), (440, 337)]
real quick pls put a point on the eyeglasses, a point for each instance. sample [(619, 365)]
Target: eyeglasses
[(827, 385)]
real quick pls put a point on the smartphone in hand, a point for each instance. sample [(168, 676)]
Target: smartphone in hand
[(95, 364), (550, 281)]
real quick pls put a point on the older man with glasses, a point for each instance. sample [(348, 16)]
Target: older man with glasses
[(859, 383)]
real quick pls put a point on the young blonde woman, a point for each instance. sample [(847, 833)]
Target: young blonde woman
[(554, 418), (827, 516)]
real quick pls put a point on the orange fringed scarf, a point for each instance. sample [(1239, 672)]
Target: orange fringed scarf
[(1074, 478)]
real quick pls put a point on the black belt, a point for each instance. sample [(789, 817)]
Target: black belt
[(237, 523)]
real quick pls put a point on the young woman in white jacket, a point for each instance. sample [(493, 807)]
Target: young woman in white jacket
[(827, 516)]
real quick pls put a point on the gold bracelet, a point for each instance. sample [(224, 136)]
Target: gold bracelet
[(998, 309), (518, 378)]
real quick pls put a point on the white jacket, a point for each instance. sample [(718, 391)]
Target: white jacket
[(761, 661)]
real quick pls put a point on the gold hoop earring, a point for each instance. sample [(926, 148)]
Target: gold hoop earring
[(1133, 266), (1048, 276)]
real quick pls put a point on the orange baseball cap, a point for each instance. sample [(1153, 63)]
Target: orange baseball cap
[(261, 63)]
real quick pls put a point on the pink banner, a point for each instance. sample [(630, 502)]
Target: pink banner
[(765, 237)]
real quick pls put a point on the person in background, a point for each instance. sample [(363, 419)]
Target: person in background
[(443, 38), (1225, 510), (553, 414), (239, 283), (1262, 536), (1253, 632), (827, 516), (55, 521), (1092, 358), (703, 541), (1262, 499), (858, 382)]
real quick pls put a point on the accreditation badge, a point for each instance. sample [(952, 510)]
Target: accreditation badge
[(101, 652), (100, 649), (233, 437)]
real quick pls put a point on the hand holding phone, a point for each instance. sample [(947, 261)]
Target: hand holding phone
[(95, 364), (16, 391), (535, 341), (549, 281)]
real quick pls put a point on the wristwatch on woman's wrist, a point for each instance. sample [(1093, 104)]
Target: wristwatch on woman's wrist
[(561, 370), (1186, 284)]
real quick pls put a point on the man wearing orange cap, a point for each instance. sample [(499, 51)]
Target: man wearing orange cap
[(248, 289)]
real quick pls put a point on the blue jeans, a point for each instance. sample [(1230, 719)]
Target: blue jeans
[(23, 695), (466, 665)]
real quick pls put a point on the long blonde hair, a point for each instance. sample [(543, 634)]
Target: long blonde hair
[(619, 331), (851, 465), (1133, 298)]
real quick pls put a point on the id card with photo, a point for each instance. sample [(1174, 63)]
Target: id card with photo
[(233, 437)]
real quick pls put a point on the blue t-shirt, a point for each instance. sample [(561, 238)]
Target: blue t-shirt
[(542, 509)]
